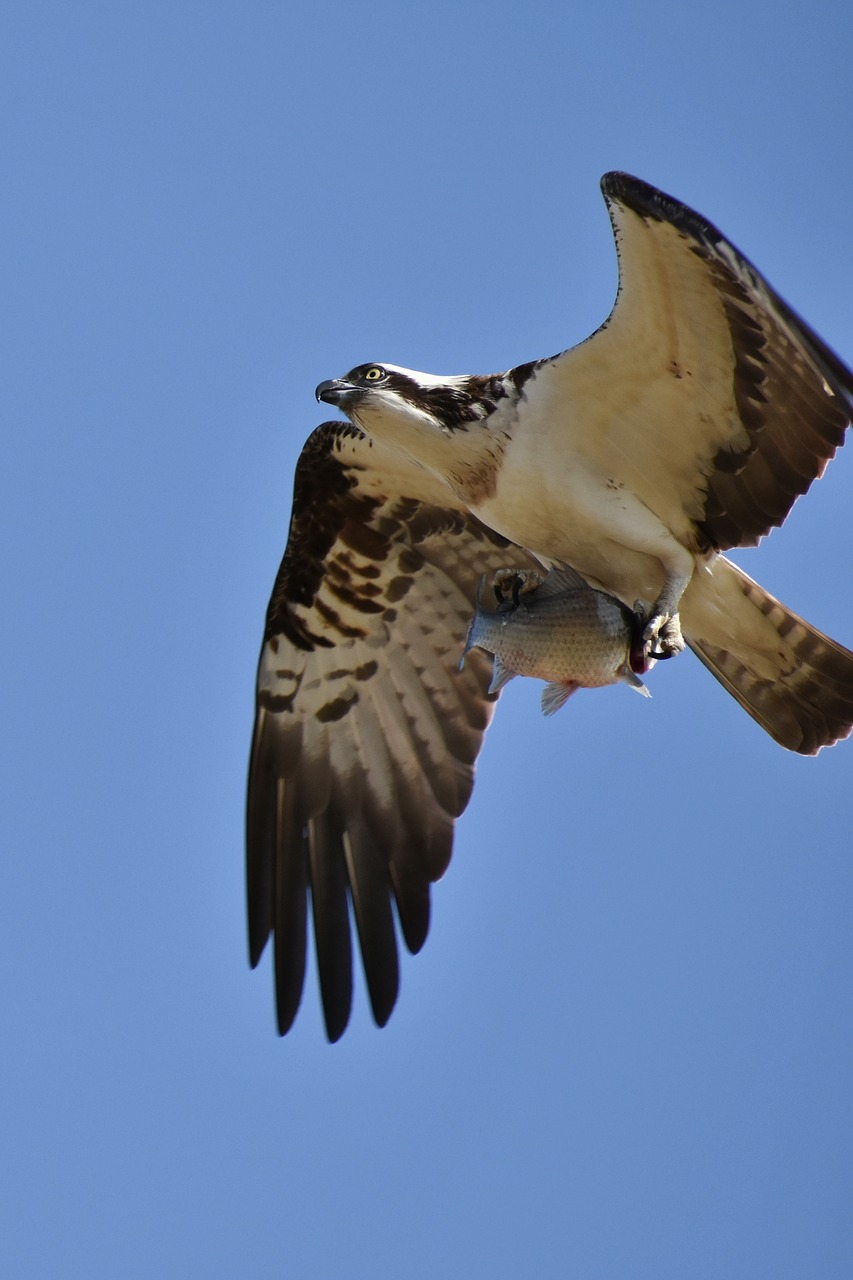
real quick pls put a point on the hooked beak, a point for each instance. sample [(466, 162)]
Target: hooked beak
[(335, 391)]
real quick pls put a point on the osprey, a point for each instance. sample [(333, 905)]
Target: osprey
[(686, 425)]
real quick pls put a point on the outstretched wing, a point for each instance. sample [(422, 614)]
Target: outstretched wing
[(703, 393), (366, 732)]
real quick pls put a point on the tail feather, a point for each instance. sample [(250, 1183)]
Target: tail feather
[(800, 689)]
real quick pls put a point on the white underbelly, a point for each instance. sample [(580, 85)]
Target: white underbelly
[(588, 521)]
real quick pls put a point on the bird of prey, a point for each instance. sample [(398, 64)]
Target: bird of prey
[(687, 424)]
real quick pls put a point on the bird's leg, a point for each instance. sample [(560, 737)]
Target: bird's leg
[(662, 633)]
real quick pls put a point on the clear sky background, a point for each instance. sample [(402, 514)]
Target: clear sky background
[(627, 1048)]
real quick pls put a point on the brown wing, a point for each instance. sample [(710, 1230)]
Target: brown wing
[(703, 394), (788, 400), (366, 732)]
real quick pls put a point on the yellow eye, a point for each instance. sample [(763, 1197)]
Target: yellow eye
[(374, 374)]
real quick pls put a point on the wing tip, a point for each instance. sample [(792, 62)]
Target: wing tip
[(649, 201)]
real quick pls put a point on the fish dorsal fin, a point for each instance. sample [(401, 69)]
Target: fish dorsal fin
[(561, 579), (554, 695), (502, 675)]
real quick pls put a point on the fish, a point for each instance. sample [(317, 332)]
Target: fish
[(560, 629)]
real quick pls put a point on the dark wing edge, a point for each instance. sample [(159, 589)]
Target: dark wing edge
[(366, 732), (793, 394)]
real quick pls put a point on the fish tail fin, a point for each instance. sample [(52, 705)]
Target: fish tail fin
[(554, 695), (502, 675)]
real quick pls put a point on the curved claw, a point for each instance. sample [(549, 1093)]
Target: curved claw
[(638, 655), (661, 655), (663, 636), (514, 583)]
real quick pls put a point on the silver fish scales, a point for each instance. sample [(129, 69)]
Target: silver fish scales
[(559, 629)]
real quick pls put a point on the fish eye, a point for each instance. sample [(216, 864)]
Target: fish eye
[(374, 374)]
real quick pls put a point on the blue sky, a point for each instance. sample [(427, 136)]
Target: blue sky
[(625, 1050)]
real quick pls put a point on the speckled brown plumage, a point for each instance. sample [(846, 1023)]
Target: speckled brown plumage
[(366, 732)]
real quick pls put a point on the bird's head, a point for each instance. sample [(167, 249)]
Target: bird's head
[(373, 392)]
